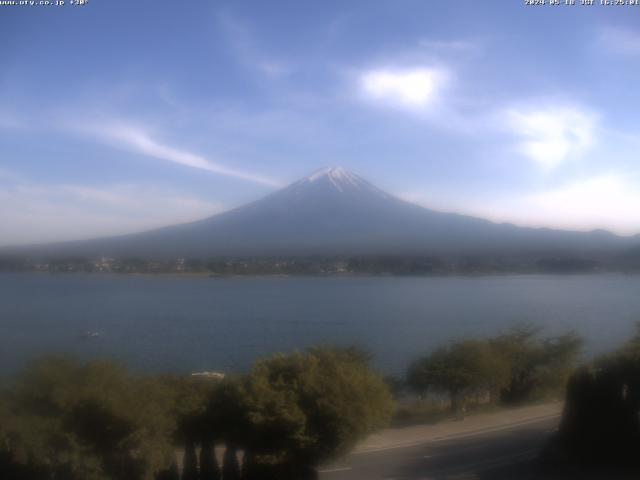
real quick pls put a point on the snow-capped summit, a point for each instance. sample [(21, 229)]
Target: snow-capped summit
[(336, 178)]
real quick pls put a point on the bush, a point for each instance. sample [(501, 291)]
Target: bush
[(515, 367), (462, 369), (301, 409), (85, 422)]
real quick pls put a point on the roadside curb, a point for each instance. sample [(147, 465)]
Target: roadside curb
[(456, 435)]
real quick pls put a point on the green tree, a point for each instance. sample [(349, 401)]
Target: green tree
[(189, 398), (305, 408), (209, 468), (460, 370), (537, 365), (225, 416), (86, 422)]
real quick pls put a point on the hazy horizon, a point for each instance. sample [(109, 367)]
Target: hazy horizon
[(409, 200), (187, 111)]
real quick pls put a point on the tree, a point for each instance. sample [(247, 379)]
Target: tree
[(462, 369), (86, 422), (305, 408), (209, 468), (96, 421), (171, 473), (190, 462), (516, 367), (230, 465), (601, 420), (536, 365), (189, 398)]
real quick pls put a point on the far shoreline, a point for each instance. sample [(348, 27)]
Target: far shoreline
[(188, 275)]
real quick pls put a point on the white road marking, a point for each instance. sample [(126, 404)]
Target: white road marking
[(337, 469)]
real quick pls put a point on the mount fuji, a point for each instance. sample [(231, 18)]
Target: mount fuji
[(336, 212)]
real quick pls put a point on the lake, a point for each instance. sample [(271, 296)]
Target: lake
[(184, 324)]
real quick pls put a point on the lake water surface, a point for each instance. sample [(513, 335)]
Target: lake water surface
[(182, 324)]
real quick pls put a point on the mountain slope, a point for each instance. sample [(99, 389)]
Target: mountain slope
[(335, 211)]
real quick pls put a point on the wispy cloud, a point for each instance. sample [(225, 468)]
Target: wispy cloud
[(138, 140), (450, 45), (245, 47), (620, 41), (551, 135), (45, 213), (412, 88)]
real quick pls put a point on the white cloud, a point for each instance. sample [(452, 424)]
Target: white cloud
[(137, 140), (620, 41), (550, 136), (36, 213), (413, 88)]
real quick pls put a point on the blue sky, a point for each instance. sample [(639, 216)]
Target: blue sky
[(119, 116)]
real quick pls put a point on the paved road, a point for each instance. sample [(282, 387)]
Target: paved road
[(502, 454)]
